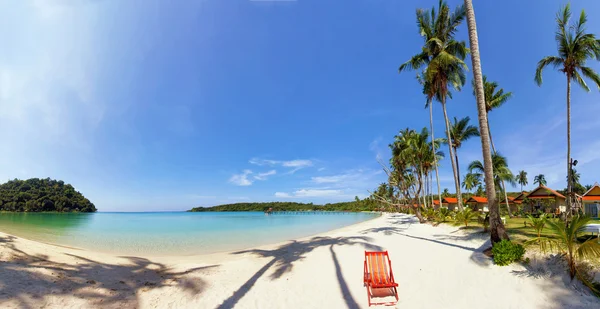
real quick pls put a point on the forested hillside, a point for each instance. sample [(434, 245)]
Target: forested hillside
[(34, 195), (356, 205)]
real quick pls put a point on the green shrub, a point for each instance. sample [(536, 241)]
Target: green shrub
[(506, 252)]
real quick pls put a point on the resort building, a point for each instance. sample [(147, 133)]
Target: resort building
[(591, 201), (546, 200), (478, 203), (511, 203), (451, 202)]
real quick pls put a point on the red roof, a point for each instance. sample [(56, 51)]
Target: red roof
[(549, 192), (451, 200), (521, 196), (477, 199), (590, 198)]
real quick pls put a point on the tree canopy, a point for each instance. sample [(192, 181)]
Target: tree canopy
[(35, 195), (367, 204)]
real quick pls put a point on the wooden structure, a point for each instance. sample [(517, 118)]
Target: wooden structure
[(379, 276), (451, 202), (478, 203), (546, 200), (591, 201)]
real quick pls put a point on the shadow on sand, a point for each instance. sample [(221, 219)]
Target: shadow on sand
[(100, 284), (284, 257)]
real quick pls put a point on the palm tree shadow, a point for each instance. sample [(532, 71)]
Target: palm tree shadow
[(284, 257), (100, 284)]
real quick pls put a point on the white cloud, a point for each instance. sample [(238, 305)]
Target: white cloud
[(305, 193), (321, 169), (264, 176), (294, 164), (241, 179)]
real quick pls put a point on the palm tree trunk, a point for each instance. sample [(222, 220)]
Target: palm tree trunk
[(490, 133), (497, 230), (456, 183), (506, 200), (568, 147), (437, 176), (457, 165)]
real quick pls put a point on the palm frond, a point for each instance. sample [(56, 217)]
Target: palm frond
[(556, 62), (591, 74)]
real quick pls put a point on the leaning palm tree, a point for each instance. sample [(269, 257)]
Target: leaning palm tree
[(442, 56), (540, 180), (567, 241), (501, 172), (471, 181), (497, 230), (429, 94), (521, 179), (494, 98), (461, 131), (575, 47)]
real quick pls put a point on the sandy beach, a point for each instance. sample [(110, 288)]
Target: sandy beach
[(436, 267)]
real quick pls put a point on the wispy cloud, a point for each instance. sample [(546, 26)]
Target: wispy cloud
[(241, 179), (306, 193), (264, 176), (357, 178), (295, 165)]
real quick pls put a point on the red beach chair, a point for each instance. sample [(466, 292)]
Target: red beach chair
[(379, 278)]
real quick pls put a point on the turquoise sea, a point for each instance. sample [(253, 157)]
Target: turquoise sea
[(170, 233)]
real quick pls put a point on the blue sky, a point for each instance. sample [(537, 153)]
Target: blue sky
[(166, 105)]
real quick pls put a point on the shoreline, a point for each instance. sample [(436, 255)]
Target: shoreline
[(116, 254), (324, 270)]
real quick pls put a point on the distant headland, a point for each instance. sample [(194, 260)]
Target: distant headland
[(356, 205), (37, 195)]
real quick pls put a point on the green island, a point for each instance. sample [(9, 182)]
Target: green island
[(42, 195), (366, 204)]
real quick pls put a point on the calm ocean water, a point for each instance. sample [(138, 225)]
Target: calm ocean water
[(170, 233)]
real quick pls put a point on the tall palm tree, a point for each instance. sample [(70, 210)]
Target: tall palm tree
[(461, 131), (471, 181), (575, 176), (521, 179), (575, 47), (442, 56), (497, 230), (493, 99), (540, 180), (500, 169), (429, 94)]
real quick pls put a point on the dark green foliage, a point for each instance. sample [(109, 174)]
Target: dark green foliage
[(35, 195), (356, 205), (506, 252)]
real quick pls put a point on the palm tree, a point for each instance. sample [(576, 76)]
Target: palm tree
[(521, 179), (575, 176), (471, 181), (567, 241), (498, 232), (493, 99), (443, 58), (460, 131), (540, 180), (575, 47), (429, 94), (501, 172)]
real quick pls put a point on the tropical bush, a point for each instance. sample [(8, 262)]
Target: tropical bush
[(429, 213), (538, 225), (465, 216), (443, 214), (506, 252), (566, 240)]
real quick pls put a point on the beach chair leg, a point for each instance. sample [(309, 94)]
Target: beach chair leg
[(368, 296)]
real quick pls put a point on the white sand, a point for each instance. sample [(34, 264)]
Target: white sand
[(436, 267)]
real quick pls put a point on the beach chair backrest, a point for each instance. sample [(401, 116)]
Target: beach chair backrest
[(378, 267)]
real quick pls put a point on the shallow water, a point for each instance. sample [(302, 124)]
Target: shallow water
[(170, 233)]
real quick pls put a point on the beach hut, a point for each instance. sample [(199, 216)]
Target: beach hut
[(478, 203), (511, 203), (546, 200), (591, 201), (451, 202), (436, 204)]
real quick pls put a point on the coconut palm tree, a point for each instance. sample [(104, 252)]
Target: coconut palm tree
[(567, 242), (429, 94), (575, 47), (521, 179), (442, 56), (497, 230), (494, 98), (540, 180), (471, 181), (461, 131), (501, 172)]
